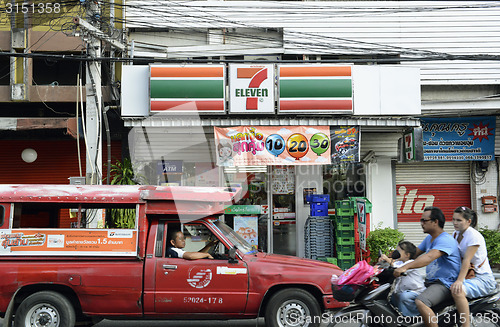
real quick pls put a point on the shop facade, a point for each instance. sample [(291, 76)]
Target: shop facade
[(188, 141)]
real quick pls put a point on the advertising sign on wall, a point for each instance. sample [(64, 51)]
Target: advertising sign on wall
[(459, 139), (273, 145), (110, 242), (315, 88), (251, 88), (413, 198), (246, 227), (345, 143), (181, 88)]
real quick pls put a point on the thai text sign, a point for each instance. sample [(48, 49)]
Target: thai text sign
[(280, 145), (459, 139), (107, 242), (251, 88)]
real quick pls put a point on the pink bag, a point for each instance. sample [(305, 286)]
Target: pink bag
[(358, 274)]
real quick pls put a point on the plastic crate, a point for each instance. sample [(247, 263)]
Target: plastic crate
[(345, 226), (344, 233), (346, 248), (344, 219), (344, 212), (346, 256), (319, 212), (345, 241), (318, 198), (345, 263)]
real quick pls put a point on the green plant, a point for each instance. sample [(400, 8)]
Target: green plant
[(384, 240), (123, 174), (492, 238)]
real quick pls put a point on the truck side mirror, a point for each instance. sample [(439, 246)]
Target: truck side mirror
[(232, 255)]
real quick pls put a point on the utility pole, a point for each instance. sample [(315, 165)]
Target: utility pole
[(93, 88), (93, 37)]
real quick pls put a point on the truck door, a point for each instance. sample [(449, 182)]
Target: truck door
[(199, 286)]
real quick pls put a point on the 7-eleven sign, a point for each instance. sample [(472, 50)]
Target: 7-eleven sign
[(251, 88)]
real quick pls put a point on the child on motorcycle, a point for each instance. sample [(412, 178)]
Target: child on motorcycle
[(407, 287)]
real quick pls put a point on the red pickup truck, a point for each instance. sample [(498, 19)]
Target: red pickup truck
[(55, 272)]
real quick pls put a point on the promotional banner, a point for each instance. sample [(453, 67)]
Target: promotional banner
[(251, 88), (272, 145), (109, 242), (246, 227), (345, 144), (459, 139)]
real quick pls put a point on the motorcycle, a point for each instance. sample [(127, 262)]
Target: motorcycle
[(371, 307)]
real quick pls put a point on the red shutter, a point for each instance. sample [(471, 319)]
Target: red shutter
[(57, 161)]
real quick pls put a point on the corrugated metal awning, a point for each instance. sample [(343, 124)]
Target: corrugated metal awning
[(366, 123)]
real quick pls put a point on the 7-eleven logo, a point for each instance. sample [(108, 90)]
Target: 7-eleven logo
[(257, 76)]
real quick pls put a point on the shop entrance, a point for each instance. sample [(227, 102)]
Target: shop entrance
[(266, 215)]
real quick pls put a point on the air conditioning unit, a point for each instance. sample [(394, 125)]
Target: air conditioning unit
[(275, 57)]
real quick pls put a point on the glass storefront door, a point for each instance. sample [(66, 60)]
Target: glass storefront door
[(284, 232), (271, 190)]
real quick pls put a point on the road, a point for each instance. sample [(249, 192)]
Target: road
[(189, 323)]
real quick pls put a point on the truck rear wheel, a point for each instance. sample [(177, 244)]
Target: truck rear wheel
[(45, 309), (293, 307)]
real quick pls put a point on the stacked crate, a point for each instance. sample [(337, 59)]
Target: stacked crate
[(319, 236), (319, 204), (344, 232)]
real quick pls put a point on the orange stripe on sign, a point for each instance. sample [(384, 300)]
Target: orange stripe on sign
[(315, 71), (316, 105), (216, 105), (187, 71), (247, 72)]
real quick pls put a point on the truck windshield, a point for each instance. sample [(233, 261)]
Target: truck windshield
[(236, 239)]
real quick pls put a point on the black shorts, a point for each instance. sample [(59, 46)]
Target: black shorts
[(434, 294)]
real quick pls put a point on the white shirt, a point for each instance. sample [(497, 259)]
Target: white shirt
[(473, 237), (179, 252), (413, 281)]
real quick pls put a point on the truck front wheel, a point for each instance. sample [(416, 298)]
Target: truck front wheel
[(293, 307), (45, 309)]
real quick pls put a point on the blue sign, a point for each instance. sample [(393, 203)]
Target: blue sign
[(459, 139)]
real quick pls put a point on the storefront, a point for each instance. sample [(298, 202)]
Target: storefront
[(189, 142), (458, 153)]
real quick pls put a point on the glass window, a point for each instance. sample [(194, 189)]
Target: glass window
[(344, 180)]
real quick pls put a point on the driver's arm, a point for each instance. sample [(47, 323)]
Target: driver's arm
[(422, 261), (208, 246), (196, 255)]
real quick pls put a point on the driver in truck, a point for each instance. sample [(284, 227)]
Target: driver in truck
[(176, 243)]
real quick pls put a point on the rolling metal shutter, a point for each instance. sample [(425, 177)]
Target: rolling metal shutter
[(442, 184)]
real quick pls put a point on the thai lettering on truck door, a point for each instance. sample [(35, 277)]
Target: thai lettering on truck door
[(200, 286)]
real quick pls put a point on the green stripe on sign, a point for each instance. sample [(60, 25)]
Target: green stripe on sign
[(315, 88), (187, 89)]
